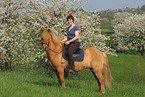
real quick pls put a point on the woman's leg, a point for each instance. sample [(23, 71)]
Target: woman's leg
[(72, 47)]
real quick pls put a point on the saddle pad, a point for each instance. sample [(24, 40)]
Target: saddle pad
[(78, 55)]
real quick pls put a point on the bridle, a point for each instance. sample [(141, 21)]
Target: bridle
[(47, 47)]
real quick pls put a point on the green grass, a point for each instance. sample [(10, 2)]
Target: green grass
[(106, 26), (108, 32), (127, 71)]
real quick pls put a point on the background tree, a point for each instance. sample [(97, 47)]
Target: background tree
[(21, 21), (143, 8), (129, 31), (138, 10), (10, 37)]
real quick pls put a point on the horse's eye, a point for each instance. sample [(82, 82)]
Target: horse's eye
[(41, 38)]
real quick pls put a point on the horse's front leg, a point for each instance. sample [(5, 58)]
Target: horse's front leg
[(57, 74), (60, 75)]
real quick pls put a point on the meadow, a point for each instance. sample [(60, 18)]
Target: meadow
[(127, 71)]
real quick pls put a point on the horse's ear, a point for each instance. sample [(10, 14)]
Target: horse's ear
[(41, 30), (49, 30)]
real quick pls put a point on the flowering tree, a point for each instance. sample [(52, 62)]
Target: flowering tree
[(11, 34), (21, 21), (129, 31)]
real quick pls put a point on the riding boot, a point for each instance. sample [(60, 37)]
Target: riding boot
[(70, 70)]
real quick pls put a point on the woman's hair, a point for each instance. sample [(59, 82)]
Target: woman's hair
[(70, 17)]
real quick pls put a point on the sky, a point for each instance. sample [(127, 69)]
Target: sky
[(101, 5)]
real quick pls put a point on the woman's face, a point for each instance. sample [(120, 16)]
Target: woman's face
[(70, 21)]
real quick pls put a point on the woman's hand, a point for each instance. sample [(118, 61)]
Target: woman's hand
[(67, 42)]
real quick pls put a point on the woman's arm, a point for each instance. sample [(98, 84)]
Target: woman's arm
[(65, 39), (75, 38)]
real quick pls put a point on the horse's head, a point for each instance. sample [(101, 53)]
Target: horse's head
[(45, 37)]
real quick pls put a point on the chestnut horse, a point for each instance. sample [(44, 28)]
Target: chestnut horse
[(94, 59)]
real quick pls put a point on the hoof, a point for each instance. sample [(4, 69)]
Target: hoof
[(103, 91)]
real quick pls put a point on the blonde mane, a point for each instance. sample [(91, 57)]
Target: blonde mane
[(47, 33), (56, 39)]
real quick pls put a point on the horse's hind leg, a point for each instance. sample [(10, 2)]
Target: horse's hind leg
[(99, 85), (100, 79)]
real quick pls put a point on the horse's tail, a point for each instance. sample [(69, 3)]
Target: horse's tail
[(106, 72)]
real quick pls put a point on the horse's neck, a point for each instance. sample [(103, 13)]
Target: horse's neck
[(57, 47)]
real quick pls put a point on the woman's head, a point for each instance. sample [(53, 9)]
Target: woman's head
[(70, 19)]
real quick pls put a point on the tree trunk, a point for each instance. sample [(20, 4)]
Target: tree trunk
[(141, 50), (142, 53)]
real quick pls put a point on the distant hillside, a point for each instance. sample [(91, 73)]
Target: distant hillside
[(107, 15)]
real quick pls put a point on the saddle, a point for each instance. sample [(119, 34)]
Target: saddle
[(78, 54)]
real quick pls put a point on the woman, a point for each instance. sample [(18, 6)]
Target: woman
[(71, 41)]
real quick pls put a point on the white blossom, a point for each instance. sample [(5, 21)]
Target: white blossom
[(129, 30), (22, 20)]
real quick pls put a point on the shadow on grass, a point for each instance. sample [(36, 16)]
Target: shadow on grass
[(45, 82)]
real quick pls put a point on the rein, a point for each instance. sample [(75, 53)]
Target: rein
[(47, 47)]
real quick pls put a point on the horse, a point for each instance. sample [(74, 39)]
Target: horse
[(94, 60)]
